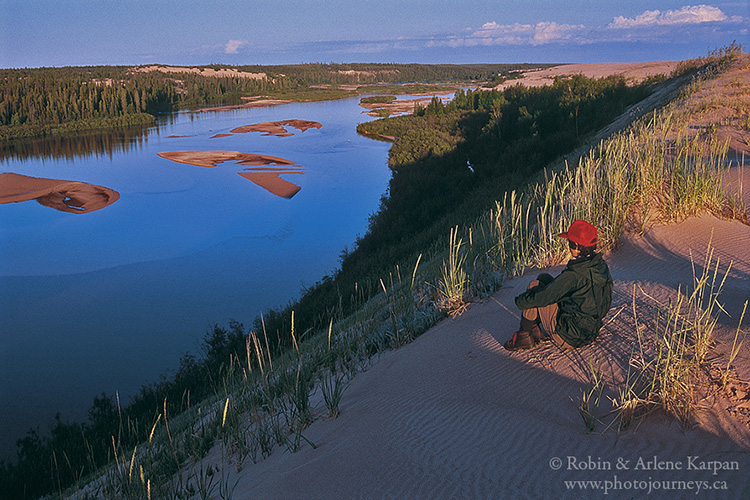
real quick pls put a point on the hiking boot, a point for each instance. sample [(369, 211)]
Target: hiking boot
[(520, 340), (537, 334)]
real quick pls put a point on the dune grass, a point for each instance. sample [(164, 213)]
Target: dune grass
[(653, 171)]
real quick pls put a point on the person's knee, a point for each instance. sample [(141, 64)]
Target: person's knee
[(544, 279)]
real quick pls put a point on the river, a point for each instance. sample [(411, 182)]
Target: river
[(109, 299)]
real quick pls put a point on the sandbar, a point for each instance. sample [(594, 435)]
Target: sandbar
[(271, 182), (277, 128), (252, 104), (267, 177), (401, 106), (213, 158), (66, 196)]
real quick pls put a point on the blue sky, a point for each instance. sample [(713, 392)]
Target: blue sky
[(88, 32)]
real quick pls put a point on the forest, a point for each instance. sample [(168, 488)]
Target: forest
[(44, 102), (449, 162)]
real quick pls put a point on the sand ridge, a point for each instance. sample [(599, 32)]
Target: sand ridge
[(210, 72), (634, 72), (66, 196)]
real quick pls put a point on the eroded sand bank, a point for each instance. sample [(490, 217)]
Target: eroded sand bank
[(66, 196)]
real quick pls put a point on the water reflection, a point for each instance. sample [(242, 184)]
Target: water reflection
[(268, 178), (66, 196), (83, 145)]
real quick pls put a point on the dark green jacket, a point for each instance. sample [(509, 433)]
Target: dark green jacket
[(583, 292)]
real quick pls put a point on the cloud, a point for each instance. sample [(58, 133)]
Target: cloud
[(650, 26), (702, 24), (233, 46), (686, 15), (493, 33)]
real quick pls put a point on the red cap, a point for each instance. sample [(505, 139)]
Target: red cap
[(581, 233)]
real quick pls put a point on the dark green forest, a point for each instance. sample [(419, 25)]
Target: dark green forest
[(43, 102), (450, 162)]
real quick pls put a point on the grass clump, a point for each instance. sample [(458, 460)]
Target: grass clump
[(667, 371)]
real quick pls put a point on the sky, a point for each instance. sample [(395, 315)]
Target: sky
[(36, 33)]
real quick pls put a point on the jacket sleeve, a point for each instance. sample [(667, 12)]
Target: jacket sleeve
[(542, 295)]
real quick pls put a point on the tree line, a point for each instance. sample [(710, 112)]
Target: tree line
[(53, 101)]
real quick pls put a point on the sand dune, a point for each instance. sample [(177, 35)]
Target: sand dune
[(211, 72), (65, 196), (632, 72), (453, 415)]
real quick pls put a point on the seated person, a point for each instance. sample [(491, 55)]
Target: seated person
[(567, 309)]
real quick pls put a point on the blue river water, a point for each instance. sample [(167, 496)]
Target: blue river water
[(109, 300)]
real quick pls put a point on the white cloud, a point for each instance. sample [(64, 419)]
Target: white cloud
[(233, 46), (493, 33), (686, 15), (702, 23)]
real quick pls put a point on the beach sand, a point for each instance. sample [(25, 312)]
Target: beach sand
[(66, 196)]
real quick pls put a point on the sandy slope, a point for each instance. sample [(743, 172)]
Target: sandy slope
[(454, 415)]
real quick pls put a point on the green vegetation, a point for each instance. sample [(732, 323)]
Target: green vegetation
[(45, 102), (249, 394), (378, 99), (451, 161)]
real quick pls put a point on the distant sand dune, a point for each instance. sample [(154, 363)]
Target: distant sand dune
[(632, 72), (221, 72)]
